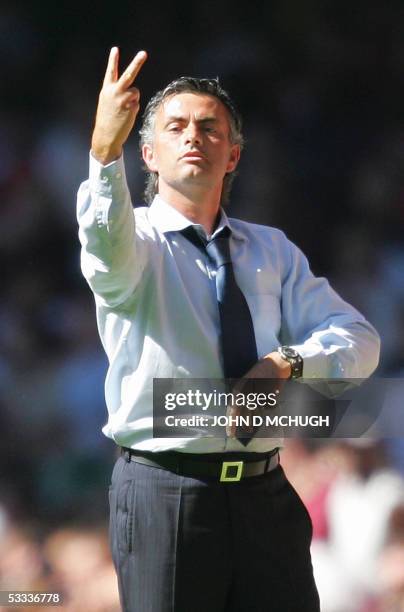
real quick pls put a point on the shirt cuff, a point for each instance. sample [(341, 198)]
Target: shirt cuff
[(315, 363), (108, 179)]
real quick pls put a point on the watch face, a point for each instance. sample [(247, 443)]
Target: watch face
[(289, 352)]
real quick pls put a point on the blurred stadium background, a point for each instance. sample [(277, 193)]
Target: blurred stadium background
[(320, 85)]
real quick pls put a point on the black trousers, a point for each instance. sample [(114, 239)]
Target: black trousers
[(181, 544)]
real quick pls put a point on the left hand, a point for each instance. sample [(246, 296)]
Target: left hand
[(272, 366)]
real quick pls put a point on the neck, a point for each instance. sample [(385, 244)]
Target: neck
[(199, 207)]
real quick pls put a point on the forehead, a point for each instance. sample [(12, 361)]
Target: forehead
[(192, 106)]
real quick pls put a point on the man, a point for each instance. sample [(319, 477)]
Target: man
[(187, 532)]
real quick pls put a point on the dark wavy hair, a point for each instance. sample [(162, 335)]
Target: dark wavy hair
[(211, 87)]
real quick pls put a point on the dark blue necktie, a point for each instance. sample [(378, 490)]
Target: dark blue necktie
[(237, 338)]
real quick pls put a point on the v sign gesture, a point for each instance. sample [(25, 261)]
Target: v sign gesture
[(118, 106)]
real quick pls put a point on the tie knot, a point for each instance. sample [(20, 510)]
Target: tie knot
[(218, 248)]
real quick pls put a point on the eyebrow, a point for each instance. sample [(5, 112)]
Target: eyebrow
[(181, 119)]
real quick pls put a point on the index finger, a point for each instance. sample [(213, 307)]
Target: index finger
[(111, 73), (128, 76), (231, 412)]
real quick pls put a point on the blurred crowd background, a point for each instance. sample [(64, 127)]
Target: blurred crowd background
[(320, 86)]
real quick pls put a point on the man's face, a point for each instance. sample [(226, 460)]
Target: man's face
[(191, 146)]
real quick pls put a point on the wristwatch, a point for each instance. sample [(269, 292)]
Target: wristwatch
[(295, 360)]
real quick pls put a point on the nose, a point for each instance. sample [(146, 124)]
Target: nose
[(193, 135)]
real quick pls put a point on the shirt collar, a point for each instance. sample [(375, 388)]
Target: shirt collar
[(166, 218)]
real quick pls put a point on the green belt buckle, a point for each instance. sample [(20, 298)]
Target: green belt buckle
[(225, 467)]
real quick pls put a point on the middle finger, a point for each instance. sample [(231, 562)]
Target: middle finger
[(128, 76)]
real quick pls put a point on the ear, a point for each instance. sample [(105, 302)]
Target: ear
[(234, 158), (148, 157)]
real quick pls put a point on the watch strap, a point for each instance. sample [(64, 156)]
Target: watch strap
[(295, 360)]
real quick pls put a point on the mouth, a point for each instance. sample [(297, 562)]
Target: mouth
[(193, 156)]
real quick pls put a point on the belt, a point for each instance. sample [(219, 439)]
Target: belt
[(223, 471)]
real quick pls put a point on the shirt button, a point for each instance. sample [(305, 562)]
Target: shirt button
[(104, 179), (118, 175)]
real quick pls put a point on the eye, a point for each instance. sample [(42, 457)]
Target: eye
[(174, 128)]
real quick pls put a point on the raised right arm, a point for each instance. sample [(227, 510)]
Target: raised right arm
[(112, 259)]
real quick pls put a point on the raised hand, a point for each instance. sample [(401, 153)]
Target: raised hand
[(118, 106)]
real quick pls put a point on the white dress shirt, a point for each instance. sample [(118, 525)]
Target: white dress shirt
[(157, 309)]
